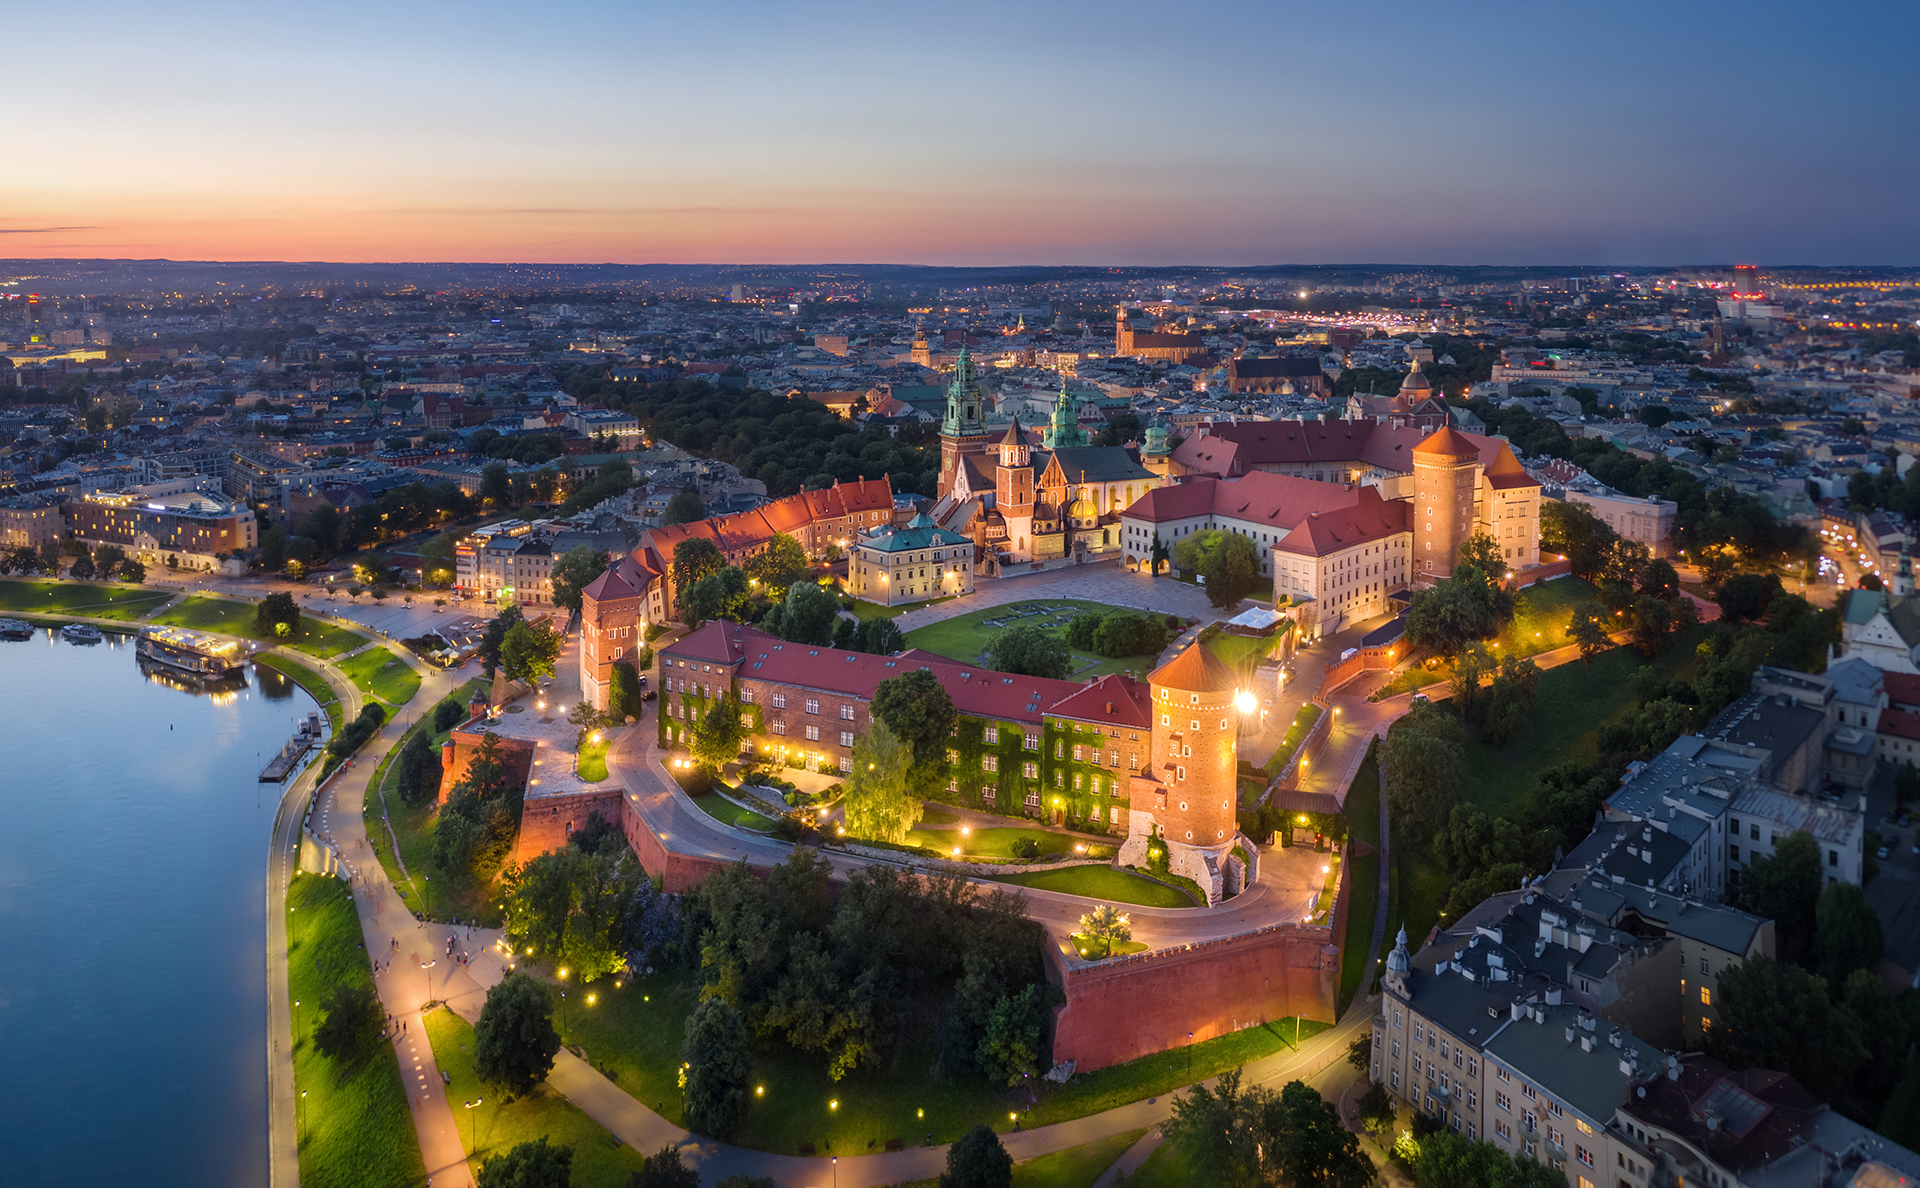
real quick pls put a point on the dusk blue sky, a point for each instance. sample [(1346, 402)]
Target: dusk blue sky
[(967, 134)]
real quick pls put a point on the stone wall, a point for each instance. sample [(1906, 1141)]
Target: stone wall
[(457, 753), (546, 822), (1127, 1007)]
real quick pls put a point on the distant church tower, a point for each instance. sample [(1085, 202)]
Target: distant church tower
[(922, 349), (1155, 452), (1444, 477), (1064, 432), (964, 429)]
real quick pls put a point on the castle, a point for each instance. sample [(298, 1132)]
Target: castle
[(1152, 761)]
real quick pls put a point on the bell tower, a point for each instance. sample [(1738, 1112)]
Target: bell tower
[(964, 428)]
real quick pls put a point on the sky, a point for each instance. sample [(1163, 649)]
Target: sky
[(1536, 132)]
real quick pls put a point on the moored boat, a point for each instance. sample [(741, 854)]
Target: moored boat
[(15, 629), (81, 633)]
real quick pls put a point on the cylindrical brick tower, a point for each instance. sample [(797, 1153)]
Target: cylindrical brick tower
[(1443, 480), (1195, 736)]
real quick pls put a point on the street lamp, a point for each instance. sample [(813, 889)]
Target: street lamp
[(303, 1118), (428, 966), (476, 1101)]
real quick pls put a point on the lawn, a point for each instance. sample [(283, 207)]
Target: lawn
[(315, 684), (637, 1031), (592, 760), (997, 841), (1283, 754), (1362, 807), (228, 617), (1075, 1167), (413, 827), (1099, 948), (1103, 883), (490, 1128), (76, 598), (967, 637), (1539, 625), (1570, 703), (728, 813), (354, 1124), (381, 673), (1242, 653), (1167, 1167)]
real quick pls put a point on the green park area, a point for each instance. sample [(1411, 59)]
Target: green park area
[(228, 617), (1075, 1167), (1303, 721), (967, 637), (1541, 614), (379, 672), (591, 761), (636, 1032), (79, 598), (496, 1126), (422, 885), (1004, 843), (728, 813), (1362, 805), (1103, 883), (1242, 653), (355, 1127), (308, 679)]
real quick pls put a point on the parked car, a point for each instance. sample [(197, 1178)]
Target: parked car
[(1882, 852)]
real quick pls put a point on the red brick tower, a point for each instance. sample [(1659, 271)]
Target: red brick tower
[(1444, 475), (1190, 790)]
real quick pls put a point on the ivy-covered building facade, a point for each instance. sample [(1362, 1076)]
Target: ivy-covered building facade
[(1067, 752)]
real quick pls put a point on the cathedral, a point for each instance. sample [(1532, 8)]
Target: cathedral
[(1022, 502)]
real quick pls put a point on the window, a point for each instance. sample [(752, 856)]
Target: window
[(779, 727), (1527, 1092), (1473, 1067), (1030, 770), (1059, 749), (779, 701), (1833, 857), (1503, 1101), (1503, 1130), (989, 791), (1753, 832), (1033, 742), (1501, 1074), (813, 705), (1706, 996), (1419, 1032), (1557, 1137), (846, 713), (746, 696), (989, 763), (846, 738), (746, 720), (813, 733), (953, 756), (1706, 1025), (1553, 1107), (1396, 1049), (1079, 752), (1473, 1099), (1416, 1063), (1581, 1126), (990, 734), (1393, 1078)]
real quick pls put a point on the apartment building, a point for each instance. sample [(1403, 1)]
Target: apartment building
[(175, 523)]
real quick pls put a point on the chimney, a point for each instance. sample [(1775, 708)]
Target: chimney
[(1626, 1069), (1518, 1009), (1570, 1031), (1586, 1043)]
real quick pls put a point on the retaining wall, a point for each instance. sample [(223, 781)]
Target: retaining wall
[(547, 822)]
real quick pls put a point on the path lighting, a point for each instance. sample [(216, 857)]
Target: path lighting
[(834, 1104), (965, 830), (590, 999), (1245, 702), (759, 1090)]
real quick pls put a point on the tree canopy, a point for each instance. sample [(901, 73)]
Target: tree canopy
[(1029, 649), (879, 803), (915, 706), (575, 570), (514, 1042)]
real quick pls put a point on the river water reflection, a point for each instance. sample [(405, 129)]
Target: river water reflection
[(133, 849)]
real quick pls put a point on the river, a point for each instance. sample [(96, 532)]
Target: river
[(133, 853)]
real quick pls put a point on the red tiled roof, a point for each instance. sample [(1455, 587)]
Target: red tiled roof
[(1449, 442), (1370, 518), (1267, 443), (1116, 698), (1196, 670), (1900, 723), (1903, 688), (1261, 496)]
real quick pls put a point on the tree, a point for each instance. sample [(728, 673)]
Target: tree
[(573, 572), (1588, 630), (535, 1164), (806, 617), (1779, 1017), (718, 1069), (978, 1161), (1106, 923), (716, 738), (723, 594), (879, 803), (1360, 1052), (778, 566), (1082, 628), (1014, 1046), (448, 714), (514, 1041), (572, 906), (1126, 634), (1847, 933), (1470, 667), (693, 559), (1218, 1131), (1158, 557), (529, 651), (625, 698), (495, 486), (132, 571), (916, 708), (419, 764), (684, 508), (881, 637), (1031, 650), (663, 1169), (351, 1028), (1572, 530), (495, 635), (1653, 621), (1306, 1144), (1232, 571), (1785, 889), (1424, 760), (83, 568), (1658, 578), (1745, 597), (277, 616)]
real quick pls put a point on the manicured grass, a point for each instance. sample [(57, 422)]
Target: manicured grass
[(1242, 653), (1283, 754), (354, 1123), (1097, 948), (933, 816), (79, 598), (491, 1128), (593, 760), (966, 637), (637, 1029), (1103, 883), (1075, 1167), (315, 684), (1362, 807), (728, 813), (229, 617), (1570, 703), (381, 673), (991, 842), (1167, 1167)]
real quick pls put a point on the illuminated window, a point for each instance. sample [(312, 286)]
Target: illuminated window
[(1706, 996)]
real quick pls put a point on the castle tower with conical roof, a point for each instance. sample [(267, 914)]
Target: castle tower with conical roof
[(1444, 478), (1063, 433), (1186, 797)]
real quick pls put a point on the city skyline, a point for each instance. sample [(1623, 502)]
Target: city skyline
[(1233, 135)]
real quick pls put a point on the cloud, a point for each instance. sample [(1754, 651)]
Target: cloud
[(41, 230)]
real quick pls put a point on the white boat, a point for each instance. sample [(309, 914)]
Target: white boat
[(81, 633), (15, 629)]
